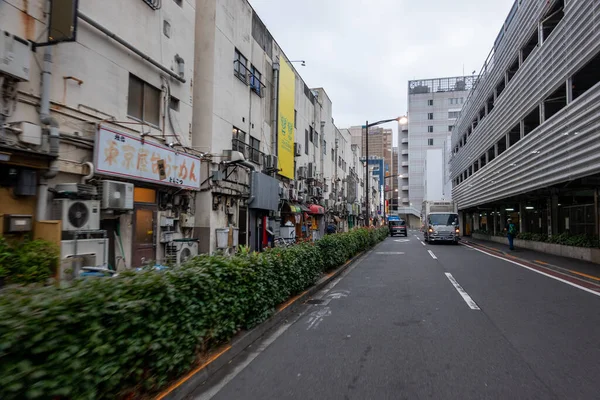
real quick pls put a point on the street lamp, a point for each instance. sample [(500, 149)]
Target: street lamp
[(401, 120)]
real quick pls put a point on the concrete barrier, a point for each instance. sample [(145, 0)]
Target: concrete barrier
[(578, 253)]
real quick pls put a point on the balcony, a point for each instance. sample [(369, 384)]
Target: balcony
[(405, 163), (404, 141), (405, 188), (404, 152), (250, 153), (405, 200), (241, 71)]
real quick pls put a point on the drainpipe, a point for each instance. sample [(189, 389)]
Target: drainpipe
[(90, 175), (275, 108), (54, 136)]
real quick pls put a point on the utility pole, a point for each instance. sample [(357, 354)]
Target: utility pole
[(367, 183)]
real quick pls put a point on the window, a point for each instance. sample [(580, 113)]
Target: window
[(514, 135), (429, 142), (295, 118), (555, 102), (143, 101), (430, 116), (239, 141), (255, 150), (430, 128), (453, 114), (450, 127), (531, 121), (429, 102), (332, 154), (324, 147), (552, 19), (306, 141), (174, 103), (531, 45), (587, 77), (311, 136), (239, 66), (255, 81), (179, 3), (316, 143)]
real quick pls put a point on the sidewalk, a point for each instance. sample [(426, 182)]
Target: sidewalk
[(580, 269)]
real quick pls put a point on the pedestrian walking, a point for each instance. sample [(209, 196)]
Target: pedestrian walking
[(511, 233)]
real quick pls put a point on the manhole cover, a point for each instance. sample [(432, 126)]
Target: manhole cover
[(320, 302)]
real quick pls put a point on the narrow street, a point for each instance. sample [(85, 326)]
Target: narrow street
[(416, 321)]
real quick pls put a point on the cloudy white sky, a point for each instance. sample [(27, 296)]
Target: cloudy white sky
[(364, 52)]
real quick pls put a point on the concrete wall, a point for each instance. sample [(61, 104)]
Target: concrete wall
[(579, 253), (434, 174)]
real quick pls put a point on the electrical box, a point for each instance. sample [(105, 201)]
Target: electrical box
[(30, 133), (15, 54), (187, 220), (166, 221), (17, 223)]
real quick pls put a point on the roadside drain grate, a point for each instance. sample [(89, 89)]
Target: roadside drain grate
[(320, 302)]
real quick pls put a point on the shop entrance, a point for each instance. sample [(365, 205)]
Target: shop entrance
[(144, 227)]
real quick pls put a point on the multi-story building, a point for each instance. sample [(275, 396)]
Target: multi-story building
[(102, 130), (526, 142), (433, 106), (95, 127)]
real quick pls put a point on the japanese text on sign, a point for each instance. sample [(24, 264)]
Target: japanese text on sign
[(124, 155)]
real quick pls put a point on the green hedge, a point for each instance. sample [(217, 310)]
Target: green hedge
[(120, 337), (27, 261)]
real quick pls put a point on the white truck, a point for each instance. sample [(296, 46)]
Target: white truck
[(440, 221)]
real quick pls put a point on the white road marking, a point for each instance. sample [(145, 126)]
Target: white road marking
[(535, 270), (423, 243), (339, 294), (316, 317), (402, 240), (390, 252), (432, 255), (470, 302)]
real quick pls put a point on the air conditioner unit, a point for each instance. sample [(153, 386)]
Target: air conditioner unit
[(117, 195), (15, 55), (186, 251), (297, 149), (293, 194), (77, 214), (271, 162), (315, 192), (312, 170), (302, 173), (284, 193), (300, 187)]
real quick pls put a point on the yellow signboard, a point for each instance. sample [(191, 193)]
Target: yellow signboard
[(285, 125)]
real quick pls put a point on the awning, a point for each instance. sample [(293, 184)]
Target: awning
[(303, 207), (292, 208), (316, 209)]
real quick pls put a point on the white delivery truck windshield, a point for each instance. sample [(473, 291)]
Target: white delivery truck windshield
[(443, 219)]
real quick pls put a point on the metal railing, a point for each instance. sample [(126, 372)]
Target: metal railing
[(250, 153)]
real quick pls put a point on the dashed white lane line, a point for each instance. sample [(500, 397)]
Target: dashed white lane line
[(423, 243), (470, 302), (431, 254)]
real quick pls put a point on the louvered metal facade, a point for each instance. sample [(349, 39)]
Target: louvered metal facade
[(564, 147)]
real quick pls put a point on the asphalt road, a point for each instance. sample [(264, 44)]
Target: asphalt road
[(396, 326)]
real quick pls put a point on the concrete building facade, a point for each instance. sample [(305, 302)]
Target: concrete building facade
[(433, 106), (525, 144)]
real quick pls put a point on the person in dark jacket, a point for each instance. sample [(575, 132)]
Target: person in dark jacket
[(511, 234)]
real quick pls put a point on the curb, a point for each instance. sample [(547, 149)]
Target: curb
[(224, 355)]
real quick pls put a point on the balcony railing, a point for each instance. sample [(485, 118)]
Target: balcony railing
[(241, 71), (153, 4), (250, 153), (257, 86)]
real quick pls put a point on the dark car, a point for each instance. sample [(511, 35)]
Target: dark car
[(397, 228)]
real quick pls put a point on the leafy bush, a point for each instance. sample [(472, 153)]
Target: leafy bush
[(28, 261), (120, 337), (564, 238)]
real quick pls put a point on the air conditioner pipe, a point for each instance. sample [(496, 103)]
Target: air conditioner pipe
[(248, 165), (89, 176), (54, 137)]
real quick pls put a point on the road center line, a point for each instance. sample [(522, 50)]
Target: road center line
[(431, 253), (470, 302), (423, 243), (535, 270)]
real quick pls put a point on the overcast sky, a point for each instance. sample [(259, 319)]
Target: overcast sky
[(364, 52)]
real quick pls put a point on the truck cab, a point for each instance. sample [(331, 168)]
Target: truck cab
[(442, 227)]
